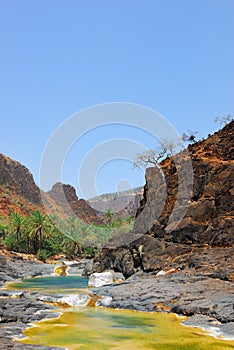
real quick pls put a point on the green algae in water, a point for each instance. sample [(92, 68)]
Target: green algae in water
[(106, 329), (64, 284)]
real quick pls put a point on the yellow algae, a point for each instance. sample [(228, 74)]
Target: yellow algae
[(106, 329), (85, 328), (61, 270), (93, 299)]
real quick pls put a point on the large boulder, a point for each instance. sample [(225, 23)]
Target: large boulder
[(100, 279)]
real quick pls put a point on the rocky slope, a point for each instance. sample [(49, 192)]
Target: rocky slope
[(17, 188), (19, 179), (65, 197), (18, 192), (191, 241), (123, 204)]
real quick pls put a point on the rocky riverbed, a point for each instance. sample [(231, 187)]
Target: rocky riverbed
[(206, 300), (18, 308)]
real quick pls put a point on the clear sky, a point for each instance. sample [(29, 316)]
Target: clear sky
[(58, 57)]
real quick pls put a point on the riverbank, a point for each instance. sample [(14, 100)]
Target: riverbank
[(208, 302), (18, 309)]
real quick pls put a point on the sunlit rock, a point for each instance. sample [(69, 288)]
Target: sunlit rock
[(161, 273), (100, 279), (104, 301)]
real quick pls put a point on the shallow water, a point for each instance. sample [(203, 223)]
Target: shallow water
[(104, 329), (56, 284), (97, 328)]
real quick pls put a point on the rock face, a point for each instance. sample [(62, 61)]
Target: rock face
[(65, 197), (19, 192), (123, 204), (19, 180), (207, 224)]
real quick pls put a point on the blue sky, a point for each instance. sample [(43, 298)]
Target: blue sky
[(59, 57)]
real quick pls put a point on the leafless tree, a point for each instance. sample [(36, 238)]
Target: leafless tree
[(154, 156), (189, 136), (224, 120)]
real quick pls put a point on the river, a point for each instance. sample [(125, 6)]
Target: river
[(98, 328)]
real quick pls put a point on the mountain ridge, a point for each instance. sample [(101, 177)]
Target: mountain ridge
[(19, 192), (123, 204)]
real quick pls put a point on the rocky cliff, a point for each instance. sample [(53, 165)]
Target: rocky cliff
[(65, 197), (123, 204), (19, 179), (18, 192), (159, 241)]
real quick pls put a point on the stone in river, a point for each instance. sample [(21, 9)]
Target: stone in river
[(100, 279)]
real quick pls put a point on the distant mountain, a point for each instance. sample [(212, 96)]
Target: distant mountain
[(65, 197), (18, 192), (123, 204)]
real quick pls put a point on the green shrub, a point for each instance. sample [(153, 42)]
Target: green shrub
[(43, 254)]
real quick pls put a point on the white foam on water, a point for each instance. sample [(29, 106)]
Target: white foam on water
[(74, 300), (211, 331)]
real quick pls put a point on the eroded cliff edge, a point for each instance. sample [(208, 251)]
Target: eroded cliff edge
[(203, 239)]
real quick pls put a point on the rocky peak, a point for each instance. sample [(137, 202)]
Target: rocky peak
[(18, 179), (61, 193), (19, 192), (65, 196)]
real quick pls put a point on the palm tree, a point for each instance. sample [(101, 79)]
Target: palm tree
[(108, 214), (16, 224), (3, 230), (40, 227), (72, 244)]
